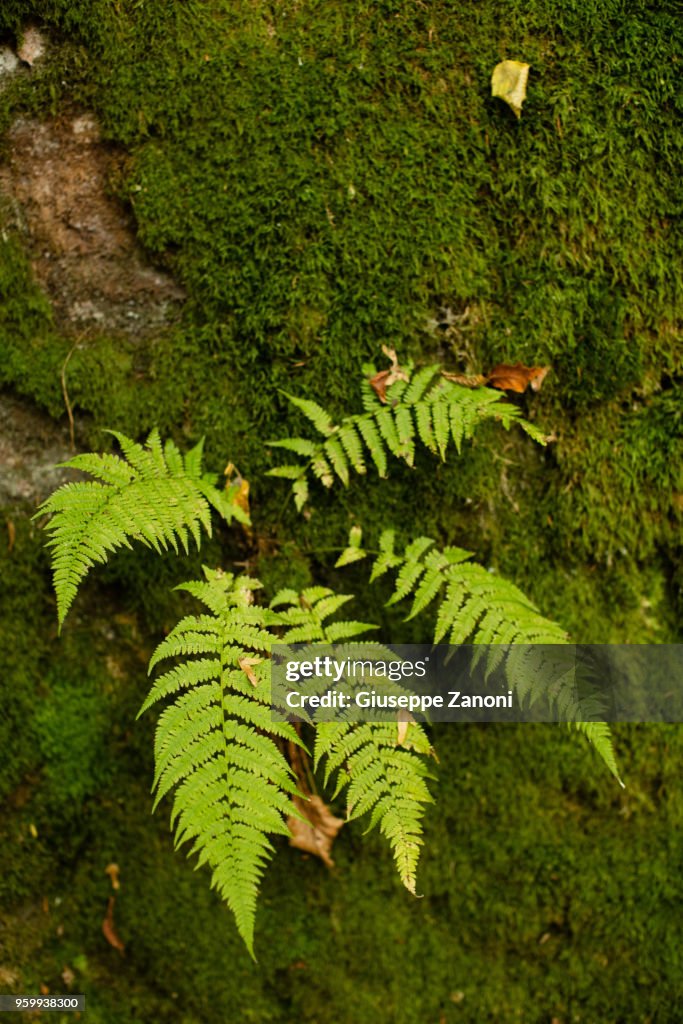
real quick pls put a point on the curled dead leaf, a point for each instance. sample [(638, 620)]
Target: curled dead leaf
[(378, 383), (108, 929), (237, 488), (317, 834), (385, 378), (404, 720), (11, 534), (518, 377), (247, 665)]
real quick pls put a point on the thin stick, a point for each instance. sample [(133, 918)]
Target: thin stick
[(67, 403)]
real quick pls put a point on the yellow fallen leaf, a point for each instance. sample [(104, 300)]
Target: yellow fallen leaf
[(33, 830), (237, 488), (508, 83), (404, 720), (247, 666), (113, 871)]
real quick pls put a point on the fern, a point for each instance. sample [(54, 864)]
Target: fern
[(216, 741), (383, 779), (231, 783), (154, 495), (215, 751), (427, 408), (479, 607)]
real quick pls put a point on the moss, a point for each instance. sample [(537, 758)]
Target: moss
[(322, 178), (352, 944), (321, 185)]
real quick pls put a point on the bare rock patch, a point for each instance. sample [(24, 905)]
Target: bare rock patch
[(81, 239)]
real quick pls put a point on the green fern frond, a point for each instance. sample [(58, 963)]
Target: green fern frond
[(154, 495), (599, 736), (214, 749), (479, 607), (382, 778), (379, 776), (427, 408), (213, 745)]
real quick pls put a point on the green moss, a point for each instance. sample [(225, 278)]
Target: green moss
[(321, 184), (71, 726), (322, 177)]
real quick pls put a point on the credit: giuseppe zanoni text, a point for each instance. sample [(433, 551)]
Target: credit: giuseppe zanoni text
[(373, 682), (365, 682)]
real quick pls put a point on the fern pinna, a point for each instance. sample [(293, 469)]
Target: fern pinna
[(425, 407), (154, 495), (380, 767)]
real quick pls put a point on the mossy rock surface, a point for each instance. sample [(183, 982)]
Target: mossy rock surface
[(320, 179)]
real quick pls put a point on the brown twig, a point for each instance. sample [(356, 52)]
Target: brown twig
[(67, 403)]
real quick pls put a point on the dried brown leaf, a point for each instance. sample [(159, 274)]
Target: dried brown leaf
[(317, 834), (108, 929), (385, 378), (518, 377), (247, 665), (378, 383)]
